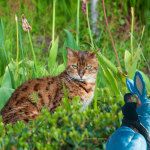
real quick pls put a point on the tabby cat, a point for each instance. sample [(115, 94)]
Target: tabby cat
[(78, 78)]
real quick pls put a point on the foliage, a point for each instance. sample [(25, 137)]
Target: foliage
[(24, 56), (65, 129)]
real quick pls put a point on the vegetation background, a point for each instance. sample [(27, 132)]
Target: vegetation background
[(119, 27)]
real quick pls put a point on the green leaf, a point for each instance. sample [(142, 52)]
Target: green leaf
[(60, 69), (4, 52), (66, 99), (52, 56), (76, 100), (103, 60), (133, 66), (95, 95), (65, 53), (22, 52), (127, 60), (71, 43), (2, 55), (6, 82), (5, 94), (147, 81), (113, 83), (108, 74)]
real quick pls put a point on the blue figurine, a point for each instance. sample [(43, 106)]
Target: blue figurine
[(126, 138)]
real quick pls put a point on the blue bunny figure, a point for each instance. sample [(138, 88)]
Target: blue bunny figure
[(125, 138)]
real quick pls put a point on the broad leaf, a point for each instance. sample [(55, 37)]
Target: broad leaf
[(5, 94), (71, 43), (146, 79), (6, 82), (109, 64), (133, 66), (52, 56), (109, 75), (2, 42), (60, 69), (127, 60), (111, 79)]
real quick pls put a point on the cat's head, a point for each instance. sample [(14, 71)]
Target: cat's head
[(82, 65)]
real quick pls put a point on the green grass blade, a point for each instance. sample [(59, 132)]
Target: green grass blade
[(4, 51), (33, 53), (77, 22), (66, 99), (89, 29), (65, 59), (17, 59), (53, 27), (113, 82), (147, 81), (133, 66), (71, 43), (60, 69), (109, 64), (103, 60), (127, 60), (109, 75), (5, 95), (95, 95), (6, 81), (22, 52), (52, 56)]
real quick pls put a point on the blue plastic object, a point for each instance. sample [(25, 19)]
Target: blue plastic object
[(125, 138)]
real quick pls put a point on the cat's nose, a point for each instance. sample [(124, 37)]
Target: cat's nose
[(81, 75)]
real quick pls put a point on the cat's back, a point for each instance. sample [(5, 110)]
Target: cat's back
[(33, 88)]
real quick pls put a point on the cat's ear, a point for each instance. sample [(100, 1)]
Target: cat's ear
[(93, 55), (71, 53)]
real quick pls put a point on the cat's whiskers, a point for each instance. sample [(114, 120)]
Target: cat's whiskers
[(69, 78)]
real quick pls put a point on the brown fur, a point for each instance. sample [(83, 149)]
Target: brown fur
[(50, 89)]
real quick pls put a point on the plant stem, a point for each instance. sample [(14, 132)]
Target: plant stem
[(34, 58), (87, 17), (77, 23), (111, 36), (53, 28), (95, 95), (132, 29), (16, 19), (22, 52)]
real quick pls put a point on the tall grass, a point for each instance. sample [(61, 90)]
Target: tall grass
[(22, 53), (17, 60), (113, 44), (89, 29), (77, 22), (33, 53), (132, 29), (5, 54), (53, 26)]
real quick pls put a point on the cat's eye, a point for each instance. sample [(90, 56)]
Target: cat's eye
[(88, 67), (74, 66)]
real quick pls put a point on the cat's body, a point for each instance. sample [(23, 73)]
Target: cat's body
[(77, 78)]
